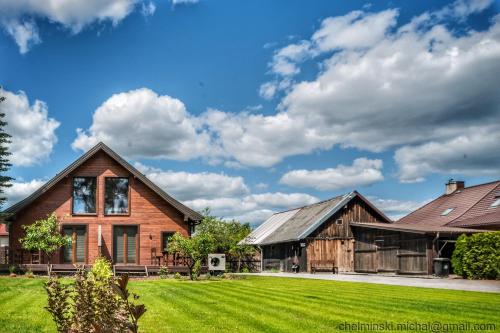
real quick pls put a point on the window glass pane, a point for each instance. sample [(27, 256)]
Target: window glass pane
[(116, 196), (131, 235), (84, 195), (68, 249), (165, 238), (118, 246), (80, 244)]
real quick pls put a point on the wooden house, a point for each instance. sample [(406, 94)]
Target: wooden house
[(106, 206)]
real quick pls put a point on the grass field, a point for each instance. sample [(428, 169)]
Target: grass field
[(263, 304)]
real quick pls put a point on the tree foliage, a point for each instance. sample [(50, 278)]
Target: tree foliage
[(227, 235), (43, 235), (195, 249), (477, 256), (5, 181)]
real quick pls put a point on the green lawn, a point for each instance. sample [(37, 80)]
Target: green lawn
[(263, 304)]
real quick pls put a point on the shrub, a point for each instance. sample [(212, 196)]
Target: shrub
[(477, 256), (177, 276), (12, 269), (245, 270), (29, 274), (163, 272), (101, 270), (86, 306)]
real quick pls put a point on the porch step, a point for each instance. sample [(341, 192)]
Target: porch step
[(130, 270)]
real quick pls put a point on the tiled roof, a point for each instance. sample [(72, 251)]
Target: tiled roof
[(470, 207)]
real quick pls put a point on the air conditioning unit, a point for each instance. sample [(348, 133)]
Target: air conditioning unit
[(217, 262)]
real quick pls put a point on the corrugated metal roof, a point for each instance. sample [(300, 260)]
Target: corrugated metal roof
[(268, 227)]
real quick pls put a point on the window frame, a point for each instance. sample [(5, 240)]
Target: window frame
[(137, 244), (86, 251), (73, 196), (128, 198), (163, 234)]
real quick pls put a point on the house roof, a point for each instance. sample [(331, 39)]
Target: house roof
[(297, 224), (470, 207), (188, 212), (418, 228)]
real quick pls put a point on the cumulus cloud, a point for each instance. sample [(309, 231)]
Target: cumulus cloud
[(396, 209), (253, 208), (20, 190), (18, 16), (362, 172), (141, 123), (32, 130), (185, 185)]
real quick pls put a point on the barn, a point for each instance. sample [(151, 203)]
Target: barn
[(318, 236), (349, 234)]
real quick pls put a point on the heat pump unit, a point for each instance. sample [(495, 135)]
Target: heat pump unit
[(216, 262)]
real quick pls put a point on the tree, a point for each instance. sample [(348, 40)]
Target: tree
[(43, 235), (195, 248), (4, 154), (227, 235)]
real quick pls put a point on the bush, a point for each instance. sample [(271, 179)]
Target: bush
[(90, 307), (177, 276), (163, 272), (245, 270), (29, 274), (477, 256), (101, 270)]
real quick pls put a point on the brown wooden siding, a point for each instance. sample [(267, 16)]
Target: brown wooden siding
[(147, 209)]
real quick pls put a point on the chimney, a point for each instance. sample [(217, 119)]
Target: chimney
[(454, 185)]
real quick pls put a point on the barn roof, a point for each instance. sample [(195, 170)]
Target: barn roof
[(297, 224), (188, 212), (469, 207)]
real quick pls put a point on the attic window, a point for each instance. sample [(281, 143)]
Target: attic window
[(447, 211), (496, 203), (338, 222)]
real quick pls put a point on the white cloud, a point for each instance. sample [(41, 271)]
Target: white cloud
[(396, 209), (31, 128), (141, 123), (475, 152), (362, 172), (148, 9), (268, 89), (254, 208), (183, 2), (18, 16), (185, 185), (20, 190), (25, 33)]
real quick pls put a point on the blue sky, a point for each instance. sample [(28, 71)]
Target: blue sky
[(253, 107)]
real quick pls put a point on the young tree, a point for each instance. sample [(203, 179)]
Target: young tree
[(195, 248), (43, 235), (4, 154)]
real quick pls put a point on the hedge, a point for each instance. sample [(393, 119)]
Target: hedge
[(477, 256)]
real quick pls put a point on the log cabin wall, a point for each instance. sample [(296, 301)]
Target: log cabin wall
[(283, 256), (148, 211)]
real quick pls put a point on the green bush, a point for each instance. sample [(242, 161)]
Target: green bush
[(101, 270), (177, 276), (163, 272), (477, 256)]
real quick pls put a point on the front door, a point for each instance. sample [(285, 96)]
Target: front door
[(125, 245), (75, 251)]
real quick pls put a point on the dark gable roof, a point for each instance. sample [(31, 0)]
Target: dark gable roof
[(299, 223), (188, 212), (471, 208)]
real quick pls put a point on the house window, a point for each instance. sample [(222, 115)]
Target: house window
[(165, 238), (75, 251), (338, 221), (84, 195), (116, 198), (447, 211), (125, 244), (496, 203)]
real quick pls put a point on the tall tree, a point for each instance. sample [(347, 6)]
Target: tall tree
[(5, 181)]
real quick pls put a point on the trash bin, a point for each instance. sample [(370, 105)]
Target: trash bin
[(441, 267)]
